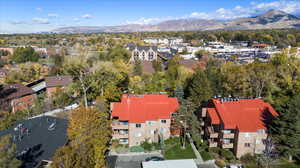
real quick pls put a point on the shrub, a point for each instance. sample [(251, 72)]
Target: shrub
[(248, 158), (206, 155), (220, 163), (136, 149), (147, 146), (228, 155), (214, 150)]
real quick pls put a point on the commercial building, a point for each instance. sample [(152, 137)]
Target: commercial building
[(239, 125), (139, 118)]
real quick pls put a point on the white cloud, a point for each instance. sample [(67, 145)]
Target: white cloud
[(41, 20), (53, 15), (16, 22), (87, 16), (39, 9), (145, 21)]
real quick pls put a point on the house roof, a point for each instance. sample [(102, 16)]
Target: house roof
[(215, 119), (246, 115), (147, 67), (141, 108), (14, 91), (142, 48), (58, 81), (190, 64), (42, 141)]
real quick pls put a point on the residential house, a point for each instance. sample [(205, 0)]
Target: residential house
[(16, 97), (239, 125), (143, 53), (139, 118), (51, 84)]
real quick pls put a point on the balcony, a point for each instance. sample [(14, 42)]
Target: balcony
[(227, 145), (204, 111), (119, 125), (212, 143), (117, 134), (228, 135), (211, 132)]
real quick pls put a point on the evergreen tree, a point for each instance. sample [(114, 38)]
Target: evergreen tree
[(8, 153), (24, 54), (199, 89), (285, 129)]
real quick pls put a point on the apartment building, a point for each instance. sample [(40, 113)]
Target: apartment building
[(143, 53), (239, 125), (139, 118)]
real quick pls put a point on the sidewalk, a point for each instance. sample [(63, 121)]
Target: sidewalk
[(199, 159), (53, 112)]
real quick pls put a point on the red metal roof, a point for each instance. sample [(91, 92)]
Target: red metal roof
[(215, 119), (246, 115), (141, 108)]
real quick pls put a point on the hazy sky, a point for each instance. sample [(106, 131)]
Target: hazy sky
[(26, 16)]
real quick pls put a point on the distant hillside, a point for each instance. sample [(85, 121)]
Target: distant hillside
[(273, 19)]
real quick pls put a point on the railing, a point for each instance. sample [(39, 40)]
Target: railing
[(117, 125), (228, 135), (204, 111), (212, 143), (211, 132), (227, 145)]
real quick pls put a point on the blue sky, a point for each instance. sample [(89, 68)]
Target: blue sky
[(27, 16)]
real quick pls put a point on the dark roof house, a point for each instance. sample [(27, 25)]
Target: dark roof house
[(58, 81), (14, 91)]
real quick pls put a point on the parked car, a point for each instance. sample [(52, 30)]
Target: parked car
[(154, 158)]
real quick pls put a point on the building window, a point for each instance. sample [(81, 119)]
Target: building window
[(163, 121), (138, 125), (151, 122), (150, 56), (247, 144), (261, 131), (138, 134)]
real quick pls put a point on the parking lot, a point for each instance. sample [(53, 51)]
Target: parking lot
[(128, 161)]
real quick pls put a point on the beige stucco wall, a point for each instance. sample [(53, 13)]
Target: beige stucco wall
[(256, 143), (148, 131)]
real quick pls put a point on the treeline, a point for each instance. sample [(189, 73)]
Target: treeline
[(279, 37)]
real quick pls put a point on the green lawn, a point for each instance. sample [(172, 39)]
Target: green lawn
[(173, 150)]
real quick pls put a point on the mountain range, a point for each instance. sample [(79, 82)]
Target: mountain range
[(272, 19)]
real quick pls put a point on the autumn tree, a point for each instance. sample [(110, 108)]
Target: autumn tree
[(157, 65), (137, 68), (8, 153), (89, 133), (202, 53)]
